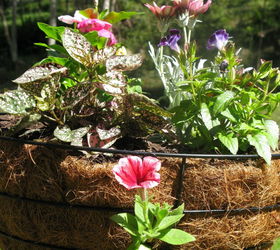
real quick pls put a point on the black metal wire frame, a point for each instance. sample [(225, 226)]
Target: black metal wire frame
[(183, 167)]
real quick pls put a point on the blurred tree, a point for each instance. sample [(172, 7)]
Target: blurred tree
[(53, 17), (10, 34)]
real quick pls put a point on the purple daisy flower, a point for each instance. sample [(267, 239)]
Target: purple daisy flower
[(218, 40), (171, 40)]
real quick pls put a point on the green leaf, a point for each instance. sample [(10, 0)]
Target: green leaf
[(264, 69), (16, 102), (272, 133), (169, 221), (52, 31), (176, 237), (127, 221), (206, 116), (53, 59), (226, 113), (67, 135), (222, 100), (229, 141), (96, 40), (276, 244), (115, 17), (178, 210), (56, 47), (260, 142)]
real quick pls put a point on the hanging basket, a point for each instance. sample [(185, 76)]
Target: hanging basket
[(51, 197)]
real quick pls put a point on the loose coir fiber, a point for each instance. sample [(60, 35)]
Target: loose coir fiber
[(41, 173)]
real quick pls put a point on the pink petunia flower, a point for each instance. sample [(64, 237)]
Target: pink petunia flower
[(85, 24), (102, 27), (133, 172), (78, 17)]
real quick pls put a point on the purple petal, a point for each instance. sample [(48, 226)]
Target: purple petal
[(218, 40), (171, 40)]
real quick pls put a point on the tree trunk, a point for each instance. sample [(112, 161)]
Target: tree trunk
[(11, 35), (14, 47), (106, 5), (113, 5), (52, 17)]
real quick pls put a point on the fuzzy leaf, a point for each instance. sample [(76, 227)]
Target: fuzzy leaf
[(124, 63), (272, 133), (229, 141), (169, 221), (127, 221), (222, 101), (67, 135), (78, 47), (260, 142), (178, 210), (176, 237), (16, 102)]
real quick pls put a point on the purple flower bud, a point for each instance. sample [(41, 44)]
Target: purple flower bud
[(218, 40), (171, 40)]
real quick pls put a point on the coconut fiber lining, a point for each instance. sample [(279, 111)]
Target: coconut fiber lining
[(42, 173)]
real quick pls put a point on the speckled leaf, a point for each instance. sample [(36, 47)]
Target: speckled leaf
[(76, 94), (67, 135), (102, 138), (40, 73), (16, 102), (35, 78), (78, 47), (100, 56), (112, 82), (124, 63), (107, 134)]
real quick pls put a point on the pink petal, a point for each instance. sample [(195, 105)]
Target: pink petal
[(152, 163), (79, 17), (66, 19), (126, 171), (108, 34)]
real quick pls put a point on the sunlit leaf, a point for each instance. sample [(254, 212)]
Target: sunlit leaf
[(67, 135), (272, 133), (260, 142), (206, 116), (51, 31), (100, 56), (35, 78), (176, 237), (124, 63), (230, 141), (127, 221), (16, 102), (78, 47), (222, 101)]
